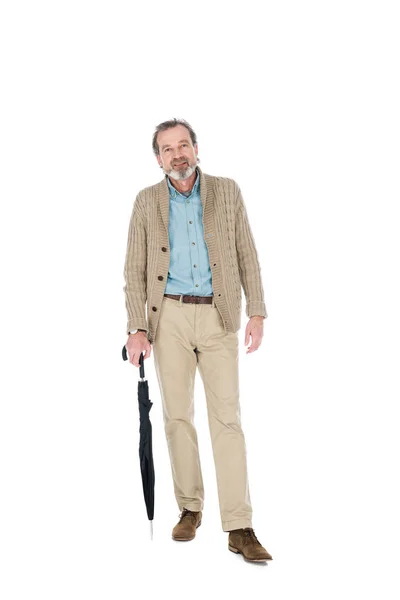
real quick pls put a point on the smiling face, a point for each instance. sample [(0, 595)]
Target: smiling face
[(178, 156)]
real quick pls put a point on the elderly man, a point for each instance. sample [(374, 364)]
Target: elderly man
[(189, 251)]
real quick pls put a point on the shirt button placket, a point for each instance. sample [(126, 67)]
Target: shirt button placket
[(196, 285)]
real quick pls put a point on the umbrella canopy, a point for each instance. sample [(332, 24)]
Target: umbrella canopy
[(145, 441)]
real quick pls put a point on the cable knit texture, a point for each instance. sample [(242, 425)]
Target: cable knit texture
[(232, 254)]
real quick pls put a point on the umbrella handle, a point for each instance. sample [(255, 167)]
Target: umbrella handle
[(141, 360)]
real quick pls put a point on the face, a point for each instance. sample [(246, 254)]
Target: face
[(178, 156)]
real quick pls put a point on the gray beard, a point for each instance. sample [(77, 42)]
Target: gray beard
[(182, 174)]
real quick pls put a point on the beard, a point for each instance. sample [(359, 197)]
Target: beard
[(180, 172)]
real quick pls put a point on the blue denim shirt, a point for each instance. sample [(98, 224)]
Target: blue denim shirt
[(189, 269)]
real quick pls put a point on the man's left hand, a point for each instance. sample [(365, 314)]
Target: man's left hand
[(255, 328)]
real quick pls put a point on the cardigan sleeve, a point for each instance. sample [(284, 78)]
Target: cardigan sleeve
[(248, 262), (135, 270)]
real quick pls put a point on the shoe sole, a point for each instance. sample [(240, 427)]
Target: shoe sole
[(236, 551), (186, 539)]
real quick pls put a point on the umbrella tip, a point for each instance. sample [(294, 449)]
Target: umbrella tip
[(151, 529)]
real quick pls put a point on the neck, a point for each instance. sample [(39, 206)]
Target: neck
[(184, 185)]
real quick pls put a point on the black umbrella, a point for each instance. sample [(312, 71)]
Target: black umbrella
[(145, 441)]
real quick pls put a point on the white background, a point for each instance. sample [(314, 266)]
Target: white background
[(299, 103)]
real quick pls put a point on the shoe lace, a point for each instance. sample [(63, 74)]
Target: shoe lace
[(187, 513), (249, 533)]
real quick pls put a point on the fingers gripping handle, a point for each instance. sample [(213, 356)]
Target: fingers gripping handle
[(141, 360)]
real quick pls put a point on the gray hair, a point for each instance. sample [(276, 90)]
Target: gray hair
[(168, 125)]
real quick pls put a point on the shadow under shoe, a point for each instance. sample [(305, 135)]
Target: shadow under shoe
[(185, 529), (245, 542)]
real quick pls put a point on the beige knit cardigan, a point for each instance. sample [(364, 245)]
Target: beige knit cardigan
[(231, 250)]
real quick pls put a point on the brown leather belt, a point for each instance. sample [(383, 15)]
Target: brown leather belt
[(191, 299)]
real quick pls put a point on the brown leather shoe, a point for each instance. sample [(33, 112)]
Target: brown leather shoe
[(244, 541), (185, 529)]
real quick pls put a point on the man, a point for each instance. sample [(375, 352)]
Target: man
[(190, 249)]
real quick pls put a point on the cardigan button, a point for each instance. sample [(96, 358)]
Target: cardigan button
[(154, 308), (164, 249), (160, 278)]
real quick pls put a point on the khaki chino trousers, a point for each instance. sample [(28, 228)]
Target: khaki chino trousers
[(191, 335)]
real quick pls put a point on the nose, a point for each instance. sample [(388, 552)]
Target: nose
[(176, 154)]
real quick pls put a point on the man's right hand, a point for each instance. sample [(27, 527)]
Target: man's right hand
[(137, 343)]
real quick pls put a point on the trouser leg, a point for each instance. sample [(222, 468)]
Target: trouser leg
[(217, 354), (175, 365)]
